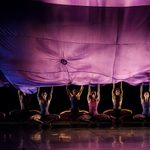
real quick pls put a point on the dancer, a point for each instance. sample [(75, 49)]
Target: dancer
[(25, 103), (117, 112), (74, 97), (25, 112), (24, 100), (74, 112), (145, 103), (93, 99), (117, 97), (44, 99)]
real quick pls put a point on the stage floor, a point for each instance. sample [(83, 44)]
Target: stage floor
[(29, 138)]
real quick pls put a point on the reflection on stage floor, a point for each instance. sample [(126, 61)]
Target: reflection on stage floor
[(74, 138)]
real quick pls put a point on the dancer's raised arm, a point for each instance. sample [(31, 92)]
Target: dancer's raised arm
[(141, 92), (81, 90), (68, 91), (98, 92), (89, 92)]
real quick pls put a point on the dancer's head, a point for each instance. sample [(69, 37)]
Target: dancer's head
[(44, 95), (74, 92), (93, 94), (146, 95), (117, 91)]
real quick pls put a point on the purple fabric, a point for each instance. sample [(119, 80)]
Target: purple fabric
[(108, 3), (100, 45)]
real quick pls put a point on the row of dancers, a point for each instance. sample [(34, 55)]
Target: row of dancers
[(74, 113)]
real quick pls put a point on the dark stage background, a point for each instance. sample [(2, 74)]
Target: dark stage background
[(60, 101)]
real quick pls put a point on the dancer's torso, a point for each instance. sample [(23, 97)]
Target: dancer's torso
[(146, 107), (93, 103), (117, 102), (74, 102)]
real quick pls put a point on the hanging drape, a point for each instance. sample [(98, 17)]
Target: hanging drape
[(56, 42)]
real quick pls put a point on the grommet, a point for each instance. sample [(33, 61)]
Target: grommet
[(63, 61)]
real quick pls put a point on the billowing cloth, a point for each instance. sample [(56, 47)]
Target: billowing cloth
[(43, 44)]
